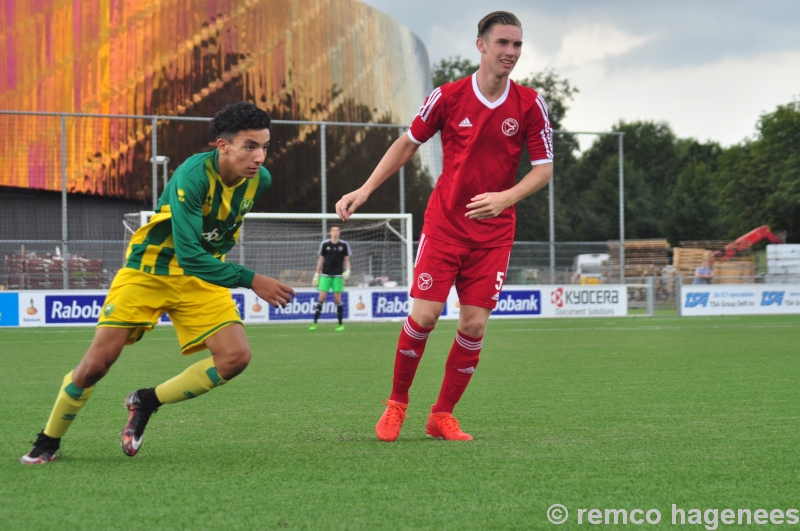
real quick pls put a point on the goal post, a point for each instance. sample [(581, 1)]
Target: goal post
[(286, 246)]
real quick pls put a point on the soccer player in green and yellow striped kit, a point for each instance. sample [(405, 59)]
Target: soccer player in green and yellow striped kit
[(175, 264)]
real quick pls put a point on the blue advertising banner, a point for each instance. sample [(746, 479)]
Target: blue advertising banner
[(524, 302), (9, 309), (72, 309), (389, 304)]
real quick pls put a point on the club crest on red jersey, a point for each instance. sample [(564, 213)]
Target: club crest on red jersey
[(510, 127), (424, 281)]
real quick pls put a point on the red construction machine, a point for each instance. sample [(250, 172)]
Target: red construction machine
[(742, 244)]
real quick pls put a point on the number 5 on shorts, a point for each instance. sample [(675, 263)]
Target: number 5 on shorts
[(499, 284)]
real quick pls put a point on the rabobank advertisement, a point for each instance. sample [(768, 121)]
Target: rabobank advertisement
[(82, 308), (394, 305), (304, 305), (60, 308), (739, 299), (555, 301)]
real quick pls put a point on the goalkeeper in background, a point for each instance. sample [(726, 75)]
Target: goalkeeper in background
[(334, 263)]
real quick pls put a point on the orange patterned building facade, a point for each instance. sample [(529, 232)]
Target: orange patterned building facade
[(315, 60)]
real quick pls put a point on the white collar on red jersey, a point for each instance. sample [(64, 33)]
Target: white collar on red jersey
[(481, 97)]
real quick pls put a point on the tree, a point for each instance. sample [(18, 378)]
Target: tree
[(556, 92), (759, 180), (450, 69)]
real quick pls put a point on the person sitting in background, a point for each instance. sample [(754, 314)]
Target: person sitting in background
[(703, 274)]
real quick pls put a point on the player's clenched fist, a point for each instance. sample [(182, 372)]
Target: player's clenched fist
[(272, 291)]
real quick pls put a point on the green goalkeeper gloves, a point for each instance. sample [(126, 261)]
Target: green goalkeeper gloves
[(346, 274), (315, 280)]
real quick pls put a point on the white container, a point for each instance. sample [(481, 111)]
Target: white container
[(783, 251)]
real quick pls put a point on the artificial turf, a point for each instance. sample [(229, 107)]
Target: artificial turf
[(620, 413)]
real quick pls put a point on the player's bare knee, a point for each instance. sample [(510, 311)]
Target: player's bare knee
[(427, 320), (232, 362), (474, 326)]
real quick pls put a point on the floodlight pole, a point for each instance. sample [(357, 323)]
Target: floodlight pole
[(551, 200), (64, 224), (154, 150), (621, 213), (402, 181), (323, 177)]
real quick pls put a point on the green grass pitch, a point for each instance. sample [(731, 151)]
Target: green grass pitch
[(607, 413)]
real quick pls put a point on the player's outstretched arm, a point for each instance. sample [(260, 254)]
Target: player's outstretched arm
[(397, 155), (272, 291), (491, 204)]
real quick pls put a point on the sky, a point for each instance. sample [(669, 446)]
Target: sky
[(709, 68)]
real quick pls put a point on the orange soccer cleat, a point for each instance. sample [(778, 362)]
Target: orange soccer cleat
[(445, 426), (388, 426)]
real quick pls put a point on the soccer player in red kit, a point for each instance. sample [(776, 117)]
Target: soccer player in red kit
[(466, 239)]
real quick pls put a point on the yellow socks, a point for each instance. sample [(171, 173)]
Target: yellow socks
[(70, 400), (196, 380)]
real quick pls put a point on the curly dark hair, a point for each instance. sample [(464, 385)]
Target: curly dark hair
[(237, 117)]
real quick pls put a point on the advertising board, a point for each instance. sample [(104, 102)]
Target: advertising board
[(740, 299)]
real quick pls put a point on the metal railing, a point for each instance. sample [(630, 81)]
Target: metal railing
[(90, 152)]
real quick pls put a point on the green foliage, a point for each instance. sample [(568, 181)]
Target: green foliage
[(533, 212), (759, 181), (556, 92), (668, 186), (451, 69)]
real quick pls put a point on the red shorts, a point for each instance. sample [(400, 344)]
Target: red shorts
[(479, 274)]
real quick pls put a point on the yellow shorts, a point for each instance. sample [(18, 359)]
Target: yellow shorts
[(197, 308)]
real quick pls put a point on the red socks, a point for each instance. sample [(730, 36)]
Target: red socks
[(410, 348), (461, 364)]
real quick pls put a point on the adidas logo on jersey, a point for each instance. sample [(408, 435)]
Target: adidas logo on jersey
[(468, 370), (409, 353), (465, 123), (496, 296)]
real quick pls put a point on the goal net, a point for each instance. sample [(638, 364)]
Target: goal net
[(286, 246)]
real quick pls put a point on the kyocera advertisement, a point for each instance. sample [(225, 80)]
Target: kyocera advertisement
[(555, 301), (584, 301), (732, 299)]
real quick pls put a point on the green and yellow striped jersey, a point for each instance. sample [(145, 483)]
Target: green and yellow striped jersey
[(197, 221)]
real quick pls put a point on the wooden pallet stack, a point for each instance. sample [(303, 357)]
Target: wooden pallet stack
[(739, 271), (643, 258), (45, 271), (686, 260)]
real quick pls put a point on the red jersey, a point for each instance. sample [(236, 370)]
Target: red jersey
[(482, 144)]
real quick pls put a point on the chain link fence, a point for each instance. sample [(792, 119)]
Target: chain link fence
[(71, 178)]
